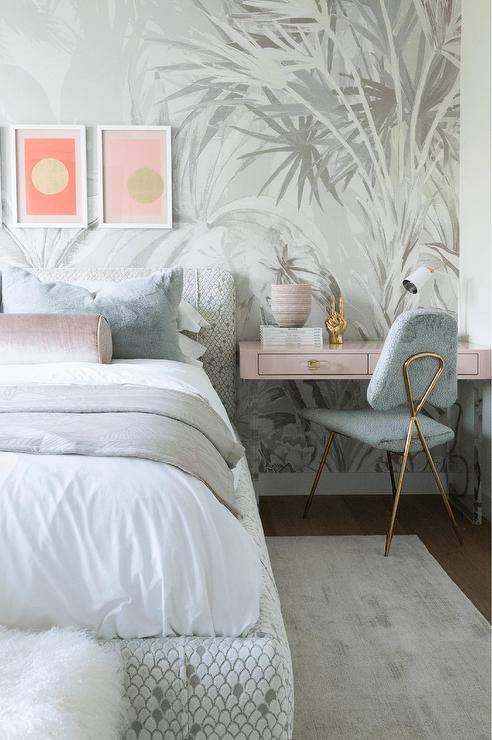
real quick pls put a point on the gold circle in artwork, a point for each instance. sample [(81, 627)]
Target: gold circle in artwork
[(145, 185), (49, 176)]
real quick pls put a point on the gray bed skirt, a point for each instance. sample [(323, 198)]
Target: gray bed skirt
[(183, 688)]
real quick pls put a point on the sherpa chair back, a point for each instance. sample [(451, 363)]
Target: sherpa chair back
[(414, 332)]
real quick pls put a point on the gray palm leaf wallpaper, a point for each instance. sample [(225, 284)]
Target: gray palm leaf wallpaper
[(314, 141)]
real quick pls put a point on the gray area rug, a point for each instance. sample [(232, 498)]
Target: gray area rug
[(383, 648)]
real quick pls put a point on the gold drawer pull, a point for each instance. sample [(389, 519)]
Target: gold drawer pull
[(313, 364)]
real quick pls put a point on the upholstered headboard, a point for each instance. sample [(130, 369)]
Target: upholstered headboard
[(211, 291)]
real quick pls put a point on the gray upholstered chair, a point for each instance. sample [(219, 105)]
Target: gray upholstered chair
[(417, 364)]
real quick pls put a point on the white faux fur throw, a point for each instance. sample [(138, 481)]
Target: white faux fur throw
[(59, 685)]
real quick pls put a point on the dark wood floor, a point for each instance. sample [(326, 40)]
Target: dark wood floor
[(468, 566)]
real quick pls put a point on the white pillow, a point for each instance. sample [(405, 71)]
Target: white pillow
[(189, 319), (191, 350)]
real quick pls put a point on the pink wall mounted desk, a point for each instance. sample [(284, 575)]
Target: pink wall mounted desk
[(351, 360), (356, 361)]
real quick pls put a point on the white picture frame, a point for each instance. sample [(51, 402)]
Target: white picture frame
[(23, 215), (2, 199), (109, 191)]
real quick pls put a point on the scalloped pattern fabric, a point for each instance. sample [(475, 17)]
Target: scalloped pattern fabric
[(211, 291), (183, 688)]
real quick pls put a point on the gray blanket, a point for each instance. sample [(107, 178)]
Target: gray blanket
[(158, 424)]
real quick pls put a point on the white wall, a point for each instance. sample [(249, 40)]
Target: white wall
[(475, 186)]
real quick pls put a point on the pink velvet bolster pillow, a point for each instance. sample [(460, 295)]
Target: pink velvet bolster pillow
[(28, 339)]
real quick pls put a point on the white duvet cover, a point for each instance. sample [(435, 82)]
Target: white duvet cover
[(124, 547)]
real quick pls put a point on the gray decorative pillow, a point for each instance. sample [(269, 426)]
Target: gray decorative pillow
[(141, 312)]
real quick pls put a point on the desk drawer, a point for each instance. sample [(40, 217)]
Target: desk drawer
[(312, 364), (467, 363), (373, 361)]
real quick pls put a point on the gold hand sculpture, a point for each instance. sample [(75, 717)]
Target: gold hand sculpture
[(336, 322)]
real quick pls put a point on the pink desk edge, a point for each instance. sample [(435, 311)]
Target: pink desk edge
[(358, 360)]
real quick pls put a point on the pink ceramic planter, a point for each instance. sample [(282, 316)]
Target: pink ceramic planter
[(291, 304)]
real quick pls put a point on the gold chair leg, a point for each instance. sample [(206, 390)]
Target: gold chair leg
[(439, 484), (396, 499), (392, 472), (331, 437)]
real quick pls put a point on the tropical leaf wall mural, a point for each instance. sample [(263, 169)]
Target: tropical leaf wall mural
[(314, 141)]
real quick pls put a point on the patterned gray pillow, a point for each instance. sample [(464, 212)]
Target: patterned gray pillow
[(142, 312)]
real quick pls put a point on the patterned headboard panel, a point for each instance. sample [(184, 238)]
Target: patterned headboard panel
[(211, 291)]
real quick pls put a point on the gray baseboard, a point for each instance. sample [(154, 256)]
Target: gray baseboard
[(298, 484)]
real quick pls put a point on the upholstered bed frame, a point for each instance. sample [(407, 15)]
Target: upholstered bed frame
[(192, 688)]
